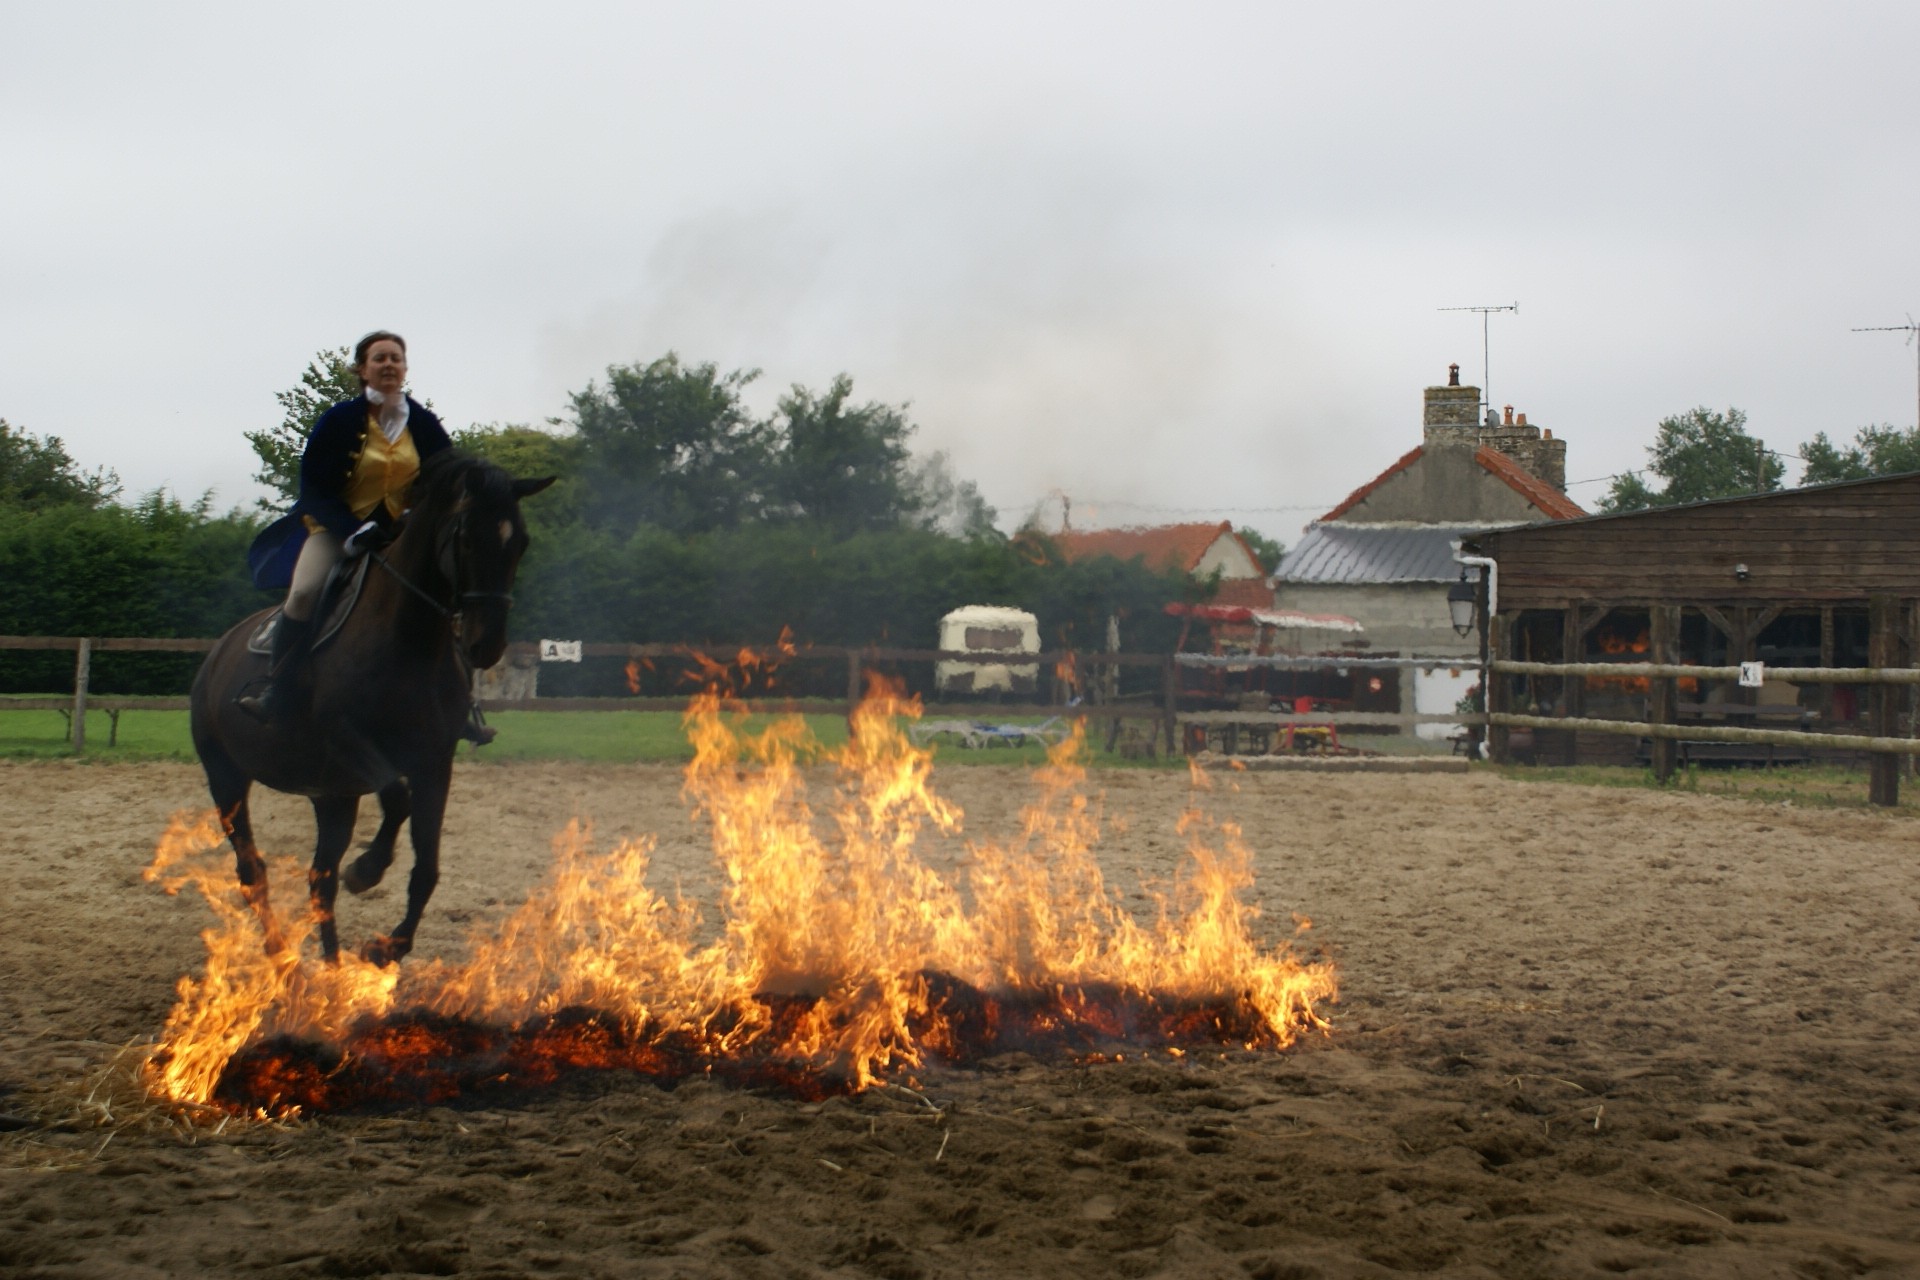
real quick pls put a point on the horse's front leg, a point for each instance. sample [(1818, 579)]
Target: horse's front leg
[(333, 831), (429, 810), (252, 869), (366, 871)]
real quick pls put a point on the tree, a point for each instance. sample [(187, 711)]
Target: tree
[(329, 378), (531, 453), (1701, 454), (37, 473), (1875, 451), (1265, 549), (671, 445), (842, 466)]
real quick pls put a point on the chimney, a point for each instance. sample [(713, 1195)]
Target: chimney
[(1547, 434), (1452, 412), (1520, 420), (1509, 419)]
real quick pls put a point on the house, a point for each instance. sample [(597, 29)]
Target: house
[(1198, 549), (1385, 555)]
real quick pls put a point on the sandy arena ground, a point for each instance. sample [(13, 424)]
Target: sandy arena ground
[(1584, 1032)]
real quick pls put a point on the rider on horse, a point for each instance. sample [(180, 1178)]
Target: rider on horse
[(358, 465)]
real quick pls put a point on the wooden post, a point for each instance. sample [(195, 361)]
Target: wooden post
[(1826, 660), (1663, 643), (853, 685), (1170, 699), (1883, 650), (1909, 697), (82, 673), (1499, 641), (1573, 689)]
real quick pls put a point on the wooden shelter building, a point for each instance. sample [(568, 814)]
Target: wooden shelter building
[(1825, 576)]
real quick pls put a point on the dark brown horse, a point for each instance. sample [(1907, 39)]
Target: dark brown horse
[(384, 701)]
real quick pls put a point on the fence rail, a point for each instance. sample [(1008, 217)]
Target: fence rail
[(1160, 707), (1682, 671), (1665, 729)]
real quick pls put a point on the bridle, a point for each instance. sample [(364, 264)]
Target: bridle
[(449, 557)]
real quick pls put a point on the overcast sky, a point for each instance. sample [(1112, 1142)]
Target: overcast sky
[(1175, 261)]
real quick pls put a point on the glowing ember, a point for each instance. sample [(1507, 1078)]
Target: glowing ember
[(839, 956)]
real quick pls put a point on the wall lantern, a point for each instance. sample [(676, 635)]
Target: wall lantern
[(1460, 604), (1741, 573)]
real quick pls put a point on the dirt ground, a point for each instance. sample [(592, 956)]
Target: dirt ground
[(1583, 1032)]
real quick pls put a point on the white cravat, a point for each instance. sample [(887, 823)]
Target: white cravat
[(392, 416)]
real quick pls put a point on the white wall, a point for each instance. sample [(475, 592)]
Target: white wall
[(1439, 691), (1227, 555)]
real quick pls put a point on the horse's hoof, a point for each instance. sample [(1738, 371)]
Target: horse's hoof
[(385, 951), (357, 879)]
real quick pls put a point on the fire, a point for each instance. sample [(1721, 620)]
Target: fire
[(839, 957), (1616, 644)]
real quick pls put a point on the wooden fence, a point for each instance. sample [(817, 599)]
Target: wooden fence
[(1072, 669), (1885, 745)]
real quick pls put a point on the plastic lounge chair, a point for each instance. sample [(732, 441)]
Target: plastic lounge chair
[(1047, 732), (927, 730)]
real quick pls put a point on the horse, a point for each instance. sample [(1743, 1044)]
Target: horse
[(385, 698)]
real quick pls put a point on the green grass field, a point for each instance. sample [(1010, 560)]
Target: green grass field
[(612, 737)]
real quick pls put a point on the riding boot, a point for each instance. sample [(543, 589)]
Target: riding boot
[(280, 695)]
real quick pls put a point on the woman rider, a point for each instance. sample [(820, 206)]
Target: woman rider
[(359, 462)]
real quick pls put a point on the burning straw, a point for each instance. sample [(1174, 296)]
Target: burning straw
[(840, 957)]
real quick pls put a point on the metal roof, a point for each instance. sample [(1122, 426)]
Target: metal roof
[(1359, 553)]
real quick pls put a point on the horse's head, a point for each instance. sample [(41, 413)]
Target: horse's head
[(472, 508)]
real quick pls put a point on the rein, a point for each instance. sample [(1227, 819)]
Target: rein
[(447, 554)]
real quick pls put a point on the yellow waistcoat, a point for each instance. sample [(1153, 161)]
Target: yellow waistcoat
[(382, 473)]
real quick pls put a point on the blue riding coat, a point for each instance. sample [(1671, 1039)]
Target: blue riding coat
[(326, 469)]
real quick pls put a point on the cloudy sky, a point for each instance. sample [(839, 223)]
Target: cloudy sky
[(1174, 261)]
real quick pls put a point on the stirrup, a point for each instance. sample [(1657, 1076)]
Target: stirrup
[(266, 705), (477, 730)]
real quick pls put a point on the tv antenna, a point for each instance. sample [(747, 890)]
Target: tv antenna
[(1912, 331), (1486, 322)]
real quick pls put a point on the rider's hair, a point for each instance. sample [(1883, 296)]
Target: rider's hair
[(365, 344)]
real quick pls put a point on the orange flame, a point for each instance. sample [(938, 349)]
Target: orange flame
[(1614, 643), (841, 956)]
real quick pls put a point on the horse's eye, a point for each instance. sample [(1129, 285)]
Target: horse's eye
[(506, 532)]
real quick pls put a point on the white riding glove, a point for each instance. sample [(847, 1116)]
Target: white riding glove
[(368, 537)]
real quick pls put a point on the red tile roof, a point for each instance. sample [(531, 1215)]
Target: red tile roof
[(1359, 495), (1550, 502), (1168, 546)]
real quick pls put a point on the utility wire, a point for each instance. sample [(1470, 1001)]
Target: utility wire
[(1640, 471), (1191, 511)]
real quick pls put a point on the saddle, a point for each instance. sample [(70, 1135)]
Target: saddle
[(337, 600)]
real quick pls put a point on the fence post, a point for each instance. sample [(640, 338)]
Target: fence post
[(853, 685), (1663, 642), (1495, 695), (1883, 650), (1170, 697), (82, 672)]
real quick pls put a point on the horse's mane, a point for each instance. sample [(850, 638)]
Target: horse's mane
[(453, 471)]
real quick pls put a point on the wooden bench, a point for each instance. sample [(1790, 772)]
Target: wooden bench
[(1737, 714)]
